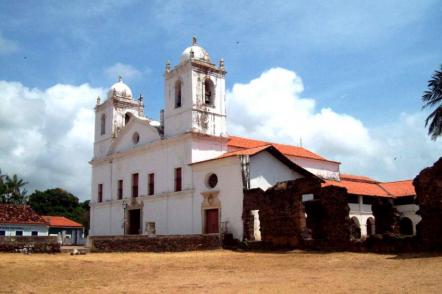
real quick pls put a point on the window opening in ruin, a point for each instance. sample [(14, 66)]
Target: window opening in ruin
[(370, 226), (178, 93), (355, 228), (256, 225), (126, 118), (406, 226)]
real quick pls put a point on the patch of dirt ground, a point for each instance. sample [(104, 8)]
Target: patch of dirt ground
[(221, 271)]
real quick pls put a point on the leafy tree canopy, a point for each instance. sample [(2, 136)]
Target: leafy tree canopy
[(57, 202), (12, 189)]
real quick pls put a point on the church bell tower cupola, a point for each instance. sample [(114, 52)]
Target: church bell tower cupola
[(195, 94), (112, 115)]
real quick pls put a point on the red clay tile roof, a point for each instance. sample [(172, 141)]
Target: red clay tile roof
[(19, 214), (357, 178), (61, 221), (399, 188), (249, 151), (365, 186), (288, 150), (359, 188)]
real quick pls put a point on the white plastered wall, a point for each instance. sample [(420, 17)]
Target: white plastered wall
[(266, 170), (229, 190), (323, 169)]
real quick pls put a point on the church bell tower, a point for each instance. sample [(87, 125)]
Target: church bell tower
[(112, 115), (195, 95)]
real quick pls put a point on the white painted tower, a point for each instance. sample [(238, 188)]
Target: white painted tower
[(195, 95)]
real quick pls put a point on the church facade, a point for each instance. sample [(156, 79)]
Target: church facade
[(185, 174)]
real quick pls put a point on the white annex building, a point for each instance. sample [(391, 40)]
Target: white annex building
[(186, 174)]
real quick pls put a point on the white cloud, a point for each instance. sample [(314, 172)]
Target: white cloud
[(128, 72), (47, 135), (7, 46), (271, 107)]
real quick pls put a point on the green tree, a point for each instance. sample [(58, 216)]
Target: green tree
[(433, 98), (2, 188), (58, 202), (54, 202), (12, 189)]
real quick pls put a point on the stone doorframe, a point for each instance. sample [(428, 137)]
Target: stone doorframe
[(133, 204), (210, 201)]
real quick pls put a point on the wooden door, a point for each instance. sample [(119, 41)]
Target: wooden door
[(212, 221)]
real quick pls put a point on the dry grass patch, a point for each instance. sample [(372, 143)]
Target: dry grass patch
[(220, 271)]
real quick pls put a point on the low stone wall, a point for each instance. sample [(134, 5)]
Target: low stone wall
[(36, 244), (144, 243)]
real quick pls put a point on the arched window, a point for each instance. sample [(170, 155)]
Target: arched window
[(355, 228), (178, 93), (406, 226), (103, 124), (370, 226), (209, 92), (126, 118)]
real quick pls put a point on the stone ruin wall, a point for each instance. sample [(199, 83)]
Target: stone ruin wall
[(428, 185), (328, 219), (386, 217), (281, 212)]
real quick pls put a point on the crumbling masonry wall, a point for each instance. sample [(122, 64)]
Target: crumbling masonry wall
[(281, 212), (386, 216), (428, 185), (328, 219)]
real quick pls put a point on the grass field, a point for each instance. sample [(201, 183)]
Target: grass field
[(221, 271)]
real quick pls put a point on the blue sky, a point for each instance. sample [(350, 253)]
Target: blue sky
[(369, 60)]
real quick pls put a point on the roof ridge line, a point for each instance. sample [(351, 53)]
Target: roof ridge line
[(386, 191)]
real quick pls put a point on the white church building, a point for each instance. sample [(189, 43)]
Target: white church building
[(186, 174)]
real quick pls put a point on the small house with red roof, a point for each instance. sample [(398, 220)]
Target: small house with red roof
[(65, 227), (21, 220), (186, 175)]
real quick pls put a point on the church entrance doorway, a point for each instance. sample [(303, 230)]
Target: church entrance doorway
[(212, 221), (134, 221)]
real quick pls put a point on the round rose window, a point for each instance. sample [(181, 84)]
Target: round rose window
[(212, 180)]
